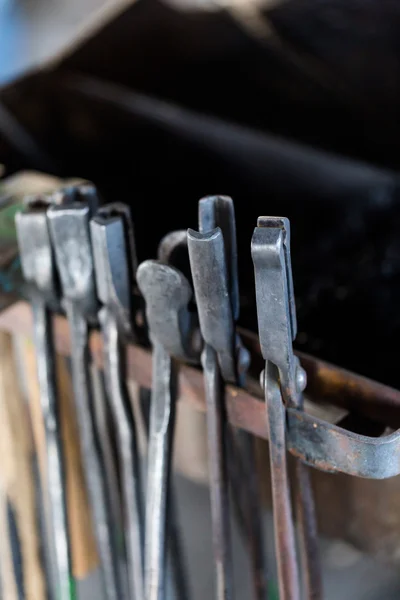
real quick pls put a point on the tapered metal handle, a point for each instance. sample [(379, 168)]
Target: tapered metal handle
[(219, 490), (97, 487), (162, 421), (127, 450), (45, 357)]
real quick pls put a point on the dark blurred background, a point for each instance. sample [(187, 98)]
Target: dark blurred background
[(290, 106)]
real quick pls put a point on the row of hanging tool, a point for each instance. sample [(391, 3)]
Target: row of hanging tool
[(80, 258)]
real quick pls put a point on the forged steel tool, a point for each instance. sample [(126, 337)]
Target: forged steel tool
[(167, 294), (69, 229), (284, 381), (115, 267), (173, 250), (37, 262), (213, 260)]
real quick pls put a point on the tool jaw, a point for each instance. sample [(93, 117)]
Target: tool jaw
[(70, 234), (113, 283), (167, 294), (270, 249), (210, 281), (219, 211), (36, 254)]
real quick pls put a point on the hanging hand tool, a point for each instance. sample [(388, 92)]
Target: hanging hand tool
[(213, 260), (115, 266), (284, 382), (167, 294), (69, 229), (173, 250), (38, 267)]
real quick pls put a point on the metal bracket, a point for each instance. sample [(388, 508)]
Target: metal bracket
[(318, 443)]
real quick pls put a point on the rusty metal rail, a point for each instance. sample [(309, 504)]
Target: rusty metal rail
[(245, 407)]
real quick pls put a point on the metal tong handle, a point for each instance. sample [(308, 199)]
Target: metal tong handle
[(162, 422), (213, 259), (38, 268), (283, 380), (69, 228), (114, 261), (167, 294)]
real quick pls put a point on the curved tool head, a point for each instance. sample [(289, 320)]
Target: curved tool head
[(36, 253), (213, 261), (172, 244), (219, 211), (167, 294), (70, 235), (114, 256)]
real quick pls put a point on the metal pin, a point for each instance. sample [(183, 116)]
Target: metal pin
[(115, 266), (213, 260), (37, 263), (167, 294), (69, 229), (284, 381)]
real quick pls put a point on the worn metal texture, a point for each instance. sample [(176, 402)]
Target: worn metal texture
[(219, 489), (372, 525), (162, 421), (39, 271), (275, 299), (213, 261), (114, 263), (167, 293), (288, 573), (331, 448), (169, 319), (69, 228), (210, 280), (277, 328)]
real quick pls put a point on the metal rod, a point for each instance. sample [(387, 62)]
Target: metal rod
[(127, 450), (162, 421), (45, 356), (213, 258), (277, 327), (37, 262), (97, 487), (285, 541), (308, 538), (216, 431)]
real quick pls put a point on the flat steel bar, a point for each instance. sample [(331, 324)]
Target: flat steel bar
[(97, 486), (127, 448), (219, 490), (162, 422), (285, 540), (45, 356)]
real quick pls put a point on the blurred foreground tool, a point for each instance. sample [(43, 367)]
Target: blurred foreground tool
[(284, 381), (23, 576), (40, 275), (213, 260), (69, 229), (83, 545), (114, 257)]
